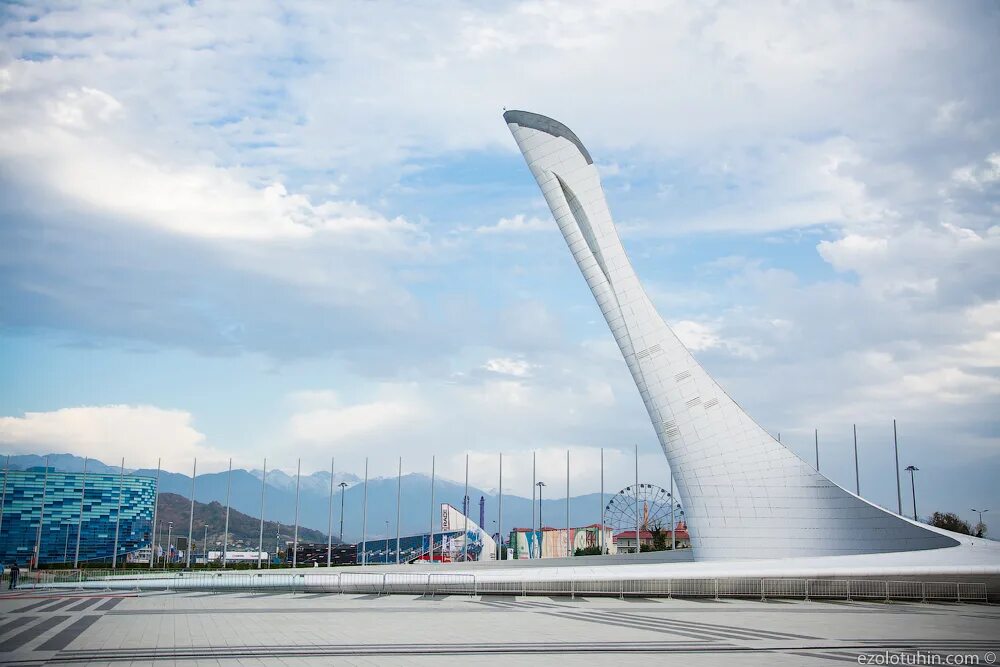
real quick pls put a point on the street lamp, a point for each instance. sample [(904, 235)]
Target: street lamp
[(538, 538), (913, 488), (387, 541), (981, 512)]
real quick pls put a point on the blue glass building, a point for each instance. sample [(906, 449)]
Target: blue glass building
[(55, 498)]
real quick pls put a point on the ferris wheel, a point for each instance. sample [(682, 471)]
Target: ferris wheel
[(651, 503)]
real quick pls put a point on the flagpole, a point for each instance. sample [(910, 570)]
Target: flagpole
[(194, 473), (83, 495), (260, 539)]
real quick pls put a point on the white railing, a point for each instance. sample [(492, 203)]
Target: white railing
[(466, 583)]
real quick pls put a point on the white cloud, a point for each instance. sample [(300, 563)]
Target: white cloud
[(174, 182), (979, 176), (517, 224), (506, 366), (696, 336), (853, 251), (699, 337), (553, 401), (344, 425), (140, 433), (77, 151)]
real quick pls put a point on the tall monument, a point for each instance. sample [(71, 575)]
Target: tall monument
[(745, 495)]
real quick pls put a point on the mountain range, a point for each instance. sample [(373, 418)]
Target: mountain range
[(314, 501), (244, 529)]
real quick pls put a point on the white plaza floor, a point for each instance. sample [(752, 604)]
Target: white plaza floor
[(320, 629)]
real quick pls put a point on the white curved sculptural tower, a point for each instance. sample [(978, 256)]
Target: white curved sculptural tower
[(745, 495)]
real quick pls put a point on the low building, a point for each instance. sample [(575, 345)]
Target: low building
[(625, 540), (459, 538), (682, 536), (54, 510), (552, 542)]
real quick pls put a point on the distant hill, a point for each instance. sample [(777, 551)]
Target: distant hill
[(315, 498), (244, 530)]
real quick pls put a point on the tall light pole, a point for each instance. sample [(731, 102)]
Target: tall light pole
[(329, 521), (816, 438), (534, 482), (225, 533), (343, 486), (364, 520), (899, 488), (540, 486), (465, 530), (260, 538), (981, 512), (194, 473), (500, 514), (399, 491), (913, 488), (295, 536), (79, 522), (118, 515), (673, 523), (432, 512), (602, 502), (857, 476), (41, 516), (569, 527), (638, 542), (386, 561)]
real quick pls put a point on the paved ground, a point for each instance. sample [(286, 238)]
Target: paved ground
[(322, 629)]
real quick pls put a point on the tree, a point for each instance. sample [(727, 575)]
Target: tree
[(980, 529), (950, 521), (659, 538)]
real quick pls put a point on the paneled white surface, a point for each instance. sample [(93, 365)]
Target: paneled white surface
[(745, 495)]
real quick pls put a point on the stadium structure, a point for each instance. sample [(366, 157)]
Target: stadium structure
[(72, 517), (460, 539)]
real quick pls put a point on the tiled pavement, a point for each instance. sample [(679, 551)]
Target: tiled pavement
[(322, 629)]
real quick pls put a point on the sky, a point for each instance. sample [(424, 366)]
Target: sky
[(238, 230)]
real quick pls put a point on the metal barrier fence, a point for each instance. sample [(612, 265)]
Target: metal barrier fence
[(466, 583)]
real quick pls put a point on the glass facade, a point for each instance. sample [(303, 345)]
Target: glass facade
[(54, 497), (447, 546)]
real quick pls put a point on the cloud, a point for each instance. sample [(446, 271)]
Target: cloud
[(516, 225), (979, 177), (110, 432), (699, 336), (340, 426), (505, 366), (549, 401), (166, 182), (78, 151)]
